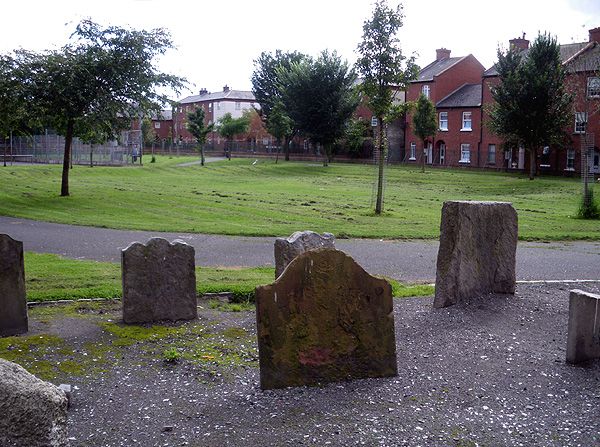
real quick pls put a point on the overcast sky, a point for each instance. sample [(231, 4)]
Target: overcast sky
[(217, 41)]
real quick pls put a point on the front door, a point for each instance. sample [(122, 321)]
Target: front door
[(594, 162), (429, 154), (442, 153)]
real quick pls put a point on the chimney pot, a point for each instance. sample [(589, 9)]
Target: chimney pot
[(595, 35), (518, 43), (442, 53), (225, 88)]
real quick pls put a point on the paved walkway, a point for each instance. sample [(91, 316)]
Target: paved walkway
[(403, 260)]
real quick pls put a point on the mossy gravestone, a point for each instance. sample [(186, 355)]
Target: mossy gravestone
[(325, 319), (13, 302), (159, 282), (478, 246)]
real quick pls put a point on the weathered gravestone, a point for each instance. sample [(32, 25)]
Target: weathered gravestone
[(583, 340), (159, 281), (478, 244), (324, 319), (33, 413), (13, 302), (286, 249)]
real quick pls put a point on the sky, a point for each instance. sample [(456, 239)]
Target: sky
[(217, 41)]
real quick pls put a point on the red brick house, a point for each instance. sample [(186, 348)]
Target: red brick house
[(162, 125), (453, 84)]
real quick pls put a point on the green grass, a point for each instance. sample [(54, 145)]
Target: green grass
[(268, 199), (51, 277)]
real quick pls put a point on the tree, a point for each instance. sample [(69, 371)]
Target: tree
[(195, 125), (99, 81), (357, 131), (320, 98), (383, 70), (424, 122), (532, 107), (266, 86), (228, 126), (279, 124)]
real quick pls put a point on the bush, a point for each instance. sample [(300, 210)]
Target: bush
[(588, 209)]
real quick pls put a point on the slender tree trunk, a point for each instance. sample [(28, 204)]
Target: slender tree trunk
[(201, 155), (286, 149), (91, 155), (64, 188), (379, 202), (423, 157), (277, 152), (325, 157), (532, 153), (5, 153)]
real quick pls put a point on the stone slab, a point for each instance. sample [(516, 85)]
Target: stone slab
[(286, 249), (159, 282), (323, 320), (33, 413), (477, 253), (583, 340), (13, 301)]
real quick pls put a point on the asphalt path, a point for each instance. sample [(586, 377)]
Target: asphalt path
[(412, 261)]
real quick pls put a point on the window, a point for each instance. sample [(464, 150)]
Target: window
[(443, 120), (373, 121), (491, 154), (466, 121), (580, 122), (413, 151), (210, 106), (425, 90), (593, 87), (570, 159), (157, 125), (465, 153), (238, 106), (218, 106)]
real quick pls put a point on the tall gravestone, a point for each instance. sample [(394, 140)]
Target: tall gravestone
[(477, 254), (286, 249), (33, 413), (583, 342), (159, 281), (324, 319), (13, 302)]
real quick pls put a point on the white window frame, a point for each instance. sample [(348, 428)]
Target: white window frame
[(466, 121), (465, 153), (581, 119), (374, 122), (491, 160), (413, 151), (426, 90), (593, 87), (238, 106), (442, 121), (570, 160)]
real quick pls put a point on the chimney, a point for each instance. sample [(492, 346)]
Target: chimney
[(203, 91), (442, 53), (595, 35), (518, 43), (225, 88)]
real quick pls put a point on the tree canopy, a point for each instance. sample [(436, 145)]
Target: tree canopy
[(279, 124), (320, 97), (532, 106), (383, 70), (424, 121), (228, 126), (196, 126), (96, 83)]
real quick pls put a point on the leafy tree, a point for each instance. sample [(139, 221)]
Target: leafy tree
[(195, 125), (99, 81), (320, 98), (148, 133), (357, 131), (279, 124), (384, 70), (532, 106), (267, 86), (424, 122), (228, 126)]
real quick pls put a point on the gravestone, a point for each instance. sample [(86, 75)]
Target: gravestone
[(478, 244), (33, 413), (286, 249), (583, 340), (13, 302), (159, 281), (324, 319)]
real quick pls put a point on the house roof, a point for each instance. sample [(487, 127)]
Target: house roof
[(437, 67), (163, 115), (229, 95), (467, 95), (567, 52)]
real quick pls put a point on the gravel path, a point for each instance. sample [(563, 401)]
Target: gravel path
[(491, 373), (403, 260)]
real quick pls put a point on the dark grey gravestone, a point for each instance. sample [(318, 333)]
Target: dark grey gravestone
[(583, 340), (159, 281), (33, 413), (286, 249), (478, 245), (13, 302)]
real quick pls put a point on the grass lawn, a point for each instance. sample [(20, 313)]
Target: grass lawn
[(51, 277), (268, 199)]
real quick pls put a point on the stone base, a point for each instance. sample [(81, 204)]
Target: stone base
[(583, 342)]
